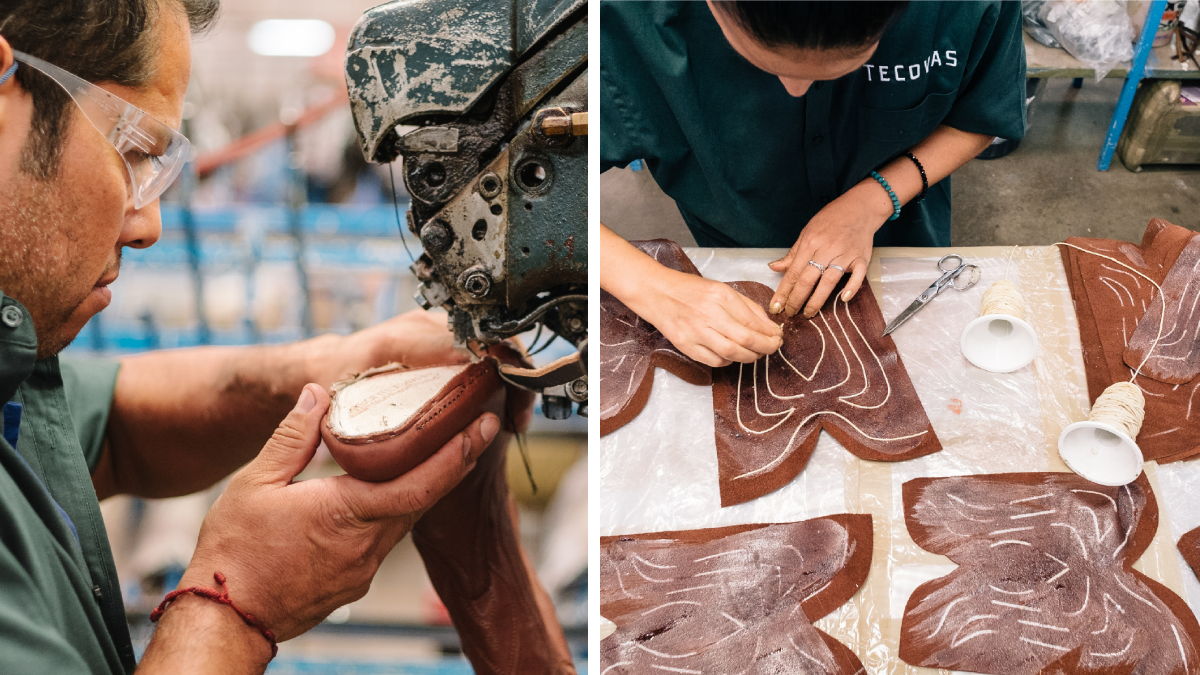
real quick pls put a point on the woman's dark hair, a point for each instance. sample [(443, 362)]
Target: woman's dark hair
[(813, 25), (98, 40)]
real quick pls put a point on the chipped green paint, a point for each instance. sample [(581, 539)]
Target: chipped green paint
[(413, 58)]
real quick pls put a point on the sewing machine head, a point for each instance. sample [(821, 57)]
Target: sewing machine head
[(485, 103)]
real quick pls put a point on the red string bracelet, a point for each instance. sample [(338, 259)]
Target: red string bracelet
[(222, 597)]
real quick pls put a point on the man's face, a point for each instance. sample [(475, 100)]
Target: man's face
[(61, 240), (796, 68)]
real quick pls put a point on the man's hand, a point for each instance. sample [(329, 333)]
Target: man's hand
[(183, 419), (416, 339), (294, 552), (840, 234)]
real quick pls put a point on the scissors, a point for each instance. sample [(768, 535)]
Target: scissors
[(948, 279)]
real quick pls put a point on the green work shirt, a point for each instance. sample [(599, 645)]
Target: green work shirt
[(60, 602), (749, 165)]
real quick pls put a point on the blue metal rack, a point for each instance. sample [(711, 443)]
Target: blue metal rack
[(1046, 62), (1137, 71)]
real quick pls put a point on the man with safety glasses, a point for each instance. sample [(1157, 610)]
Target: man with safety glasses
[(90, 98)]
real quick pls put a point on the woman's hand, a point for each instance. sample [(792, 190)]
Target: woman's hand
[(841, 235), (707, 320)]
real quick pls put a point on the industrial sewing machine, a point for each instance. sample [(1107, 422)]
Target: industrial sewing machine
[(486, 103)]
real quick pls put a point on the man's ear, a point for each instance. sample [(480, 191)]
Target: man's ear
[(10, 87), (14, 105), (7, 59)]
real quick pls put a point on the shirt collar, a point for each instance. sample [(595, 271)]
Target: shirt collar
[(18, 346)]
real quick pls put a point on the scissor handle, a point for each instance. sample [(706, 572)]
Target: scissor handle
[(954, 256), (975, 274)]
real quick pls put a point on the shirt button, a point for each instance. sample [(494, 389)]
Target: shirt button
[(12, 316), (818, 139), (825, 199)]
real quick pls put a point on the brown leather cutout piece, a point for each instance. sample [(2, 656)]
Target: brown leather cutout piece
[(737, 599), (1189, 547), (834, 372), (1176, 356), (1045, 582), (630, 349), (1109, 304), (470, 546)]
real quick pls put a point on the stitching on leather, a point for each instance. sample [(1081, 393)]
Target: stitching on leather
[(431, 416)]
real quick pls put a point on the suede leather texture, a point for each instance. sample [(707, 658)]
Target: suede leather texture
[(1111, 304)]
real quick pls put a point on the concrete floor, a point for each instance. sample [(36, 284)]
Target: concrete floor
[(1045, 191)]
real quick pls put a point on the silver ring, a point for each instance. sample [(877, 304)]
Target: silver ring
[(838, 268), (817, 265)]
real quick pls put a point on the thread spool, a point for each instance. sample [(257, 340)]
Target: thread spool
[(1101, 448), (1000, 341)]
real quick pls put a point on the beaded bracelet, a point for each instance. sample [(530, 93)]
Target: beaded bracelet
[(924, 178), (895, 201)]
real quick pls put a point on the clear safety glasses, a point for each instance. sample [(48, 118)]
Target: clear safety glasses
[(153, 152)]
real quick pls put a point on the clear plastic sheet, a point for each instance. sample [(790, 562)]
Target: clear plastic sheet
[(659, 472), (1097, 32)]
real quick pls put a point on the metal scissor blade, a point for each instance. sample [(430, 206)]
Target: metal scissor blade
[(905, 315)]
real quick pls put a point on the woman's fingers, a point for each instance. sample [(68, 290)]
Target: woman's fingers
[(751, 342), (792, 265), (829, 279), (798, 281), (807, 277), (704, 355), (786, 261), (728, 341), (757, 318), (858, 272), (750, 327), (729, 350), (711, 322)]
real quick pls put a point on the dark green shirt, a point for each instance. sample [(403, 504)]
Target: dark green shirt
[(60, 603), (749, 165)]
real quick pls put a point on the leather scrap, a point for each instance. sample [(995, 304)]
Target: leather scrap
[(631, 348), (1109, 304), (471, 548), (1189, 547), (835, 372), (737, 599), (1175, 358), (1045, 580)]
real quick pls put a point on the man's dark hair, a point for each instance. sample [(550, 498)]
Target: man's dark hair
[(813, 25), (98, 40)]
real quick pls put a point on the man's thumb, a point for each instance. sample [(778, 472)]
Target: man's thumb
[(295, 441)]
